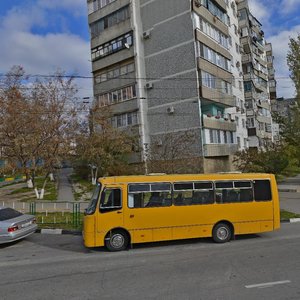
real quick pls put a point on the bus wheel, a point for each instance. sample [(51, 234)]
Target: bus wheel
[(222, 233), (116, 240)]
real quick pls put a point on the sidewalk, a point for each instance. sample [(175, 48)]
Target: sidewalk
[(291, 184), (289, 194), (65, 190)]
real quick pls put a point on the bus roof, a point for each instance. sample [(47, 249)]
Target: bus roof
[(183, 177)]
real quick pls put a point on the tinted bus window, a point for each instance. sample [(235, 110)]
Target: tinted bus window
[(202, 193), (232, 192), (139, 187), (203, 185), (110, 200), (183, 186), (157, 195), (262, 190)]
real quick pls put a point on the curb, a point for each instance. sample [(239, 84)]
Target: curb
[(292, 220), (58, 231), (288, 190)]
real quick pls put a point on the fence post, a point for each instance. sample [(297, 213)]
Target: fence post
[(32, 208), (76, 214)]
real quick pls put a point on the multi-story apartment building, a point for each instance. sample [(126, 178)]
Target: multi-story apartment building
[(238, 112), (256, 77), (271, 73), (165, 69), (283, 108)]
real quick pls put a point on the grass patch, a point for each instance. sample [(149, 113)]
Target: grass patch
[(82, 188), (286, 215), (50, 190), (7, 183), (21, 191), (62, 220)]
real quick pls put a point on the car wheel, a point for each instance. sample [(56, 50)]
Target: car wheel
[(222, 233), (116, 240)]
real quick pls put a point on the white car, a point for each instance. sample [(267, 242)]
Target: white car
[(14, 225)]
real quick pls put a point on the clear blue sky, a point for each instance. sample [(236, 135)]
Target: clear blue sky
[(43, 35)]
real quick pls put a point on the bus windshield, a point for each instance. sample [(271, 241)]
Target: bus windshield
[(93, 202)]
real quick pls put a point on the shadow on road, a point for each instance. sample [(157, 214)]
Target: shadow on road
[(64, 242)]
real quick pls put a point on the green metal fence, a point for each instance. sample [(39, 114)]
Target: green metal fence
[(53, 214)]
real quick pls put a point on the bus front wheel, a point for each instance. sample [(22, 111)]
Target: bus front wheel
[(222, 233), (116, 240)]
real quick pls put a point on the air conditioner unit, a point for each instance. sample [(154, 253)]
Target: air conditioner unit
[(146, 34), (149, 85), (170, 110)]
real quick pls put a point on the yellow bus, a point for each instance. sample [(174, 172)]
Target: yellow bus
[(147, 208)]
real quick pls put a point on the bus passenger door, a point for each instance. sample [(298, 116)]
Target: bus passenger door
[(110, 211)]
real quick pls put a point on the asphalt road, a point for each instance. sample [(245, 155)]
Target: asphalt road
[(265, 266)]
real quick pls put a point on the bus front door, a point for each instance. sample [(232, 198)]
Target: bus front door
[(110, 212)]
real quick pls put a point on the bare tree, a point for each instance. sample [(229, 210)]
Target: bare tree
[(173, 153), (103, 148), (38, 122)]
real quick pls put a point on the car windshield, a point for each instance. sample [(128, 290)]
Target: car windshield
[(93, 203), (9, 213)]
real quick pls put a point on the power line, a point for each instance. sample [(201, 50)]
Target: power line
[(118, 78)]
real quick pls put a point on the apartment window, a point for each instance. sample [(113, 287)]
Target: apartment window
[(97, 4), (208, 80), (113, 46), (119, 95), (124, 120), (250, 123), (261, 126), (247, 86), (214, 57), (216, 11), (115, 73), (243, 14), (220, 136), (109, 21), (243, 123), (226, 87), (249, 104), (211, 31)]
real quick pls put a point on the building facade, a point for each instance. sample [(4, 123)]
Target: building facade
[(256, 77), (171, 71)]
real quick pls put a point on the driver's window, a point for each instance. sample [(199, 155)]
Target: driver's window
[(111, 199)]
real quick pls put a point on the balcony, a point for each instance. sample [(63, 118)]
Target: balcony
[(212, 150), (217, 96), (218, 122)]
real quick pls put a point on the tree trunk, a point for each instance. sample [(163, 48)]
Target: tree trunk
[(29, 183), (37, 193), (94, 175)]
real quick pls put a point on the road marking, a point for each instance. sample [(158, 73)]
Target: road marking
[(266, 284)]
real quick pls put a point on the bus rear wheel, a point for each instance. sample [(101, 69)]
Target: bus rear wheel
[(222, 233), (116, 240)]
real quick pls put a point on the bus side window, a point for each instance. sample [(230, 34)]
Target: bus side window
[(262, 190), (110, 200), (219, 197)]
